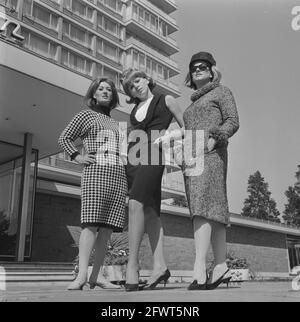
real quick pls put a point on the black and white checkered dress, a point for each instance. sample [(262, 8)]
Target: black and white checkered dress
[(104, 183)]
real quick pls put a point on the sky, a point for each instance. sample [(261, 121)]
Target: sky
[(258, 54)]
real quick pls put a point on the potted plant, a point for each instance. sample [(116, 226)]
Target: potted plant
[(239, 268), (116, 258)]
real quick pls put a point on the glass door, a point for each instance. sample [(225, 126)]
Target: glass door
[(10, 188)]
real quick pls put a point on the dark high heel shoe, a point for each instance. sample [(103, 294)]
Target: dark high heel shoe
[(162, 278), (221, 279), (226, 280), (195, 286)]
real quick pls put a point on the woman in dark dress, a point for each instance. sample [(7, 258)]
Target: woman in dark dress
[(152, 111), (103, 182), (213, 110)]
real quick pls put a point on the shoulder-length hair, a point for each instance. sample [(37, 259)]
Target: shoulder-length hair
[(216, 77), (127, 78), (89, 99)]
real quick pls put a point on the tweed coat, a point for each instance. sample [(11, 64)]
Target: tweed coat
[(214, 111)]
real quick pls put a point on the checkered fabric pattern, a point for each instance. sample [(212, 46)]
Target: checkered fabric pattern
[(103, 185), (103, 193)]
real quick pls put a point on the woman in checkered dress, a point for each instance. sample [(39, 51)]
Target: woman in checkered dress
[(104, 183)]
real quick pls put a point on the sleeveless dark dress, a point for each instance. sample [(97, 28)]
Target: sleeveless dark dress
[(144, 181)]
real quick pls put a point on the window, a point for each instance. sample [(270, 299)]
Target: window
[(76, 62), (141, 15), (78, 8), (110, 51), (148, 67), (147, 19), (142, 61), (110, 26), (111, 3), (99, 45), (44, 17), (134, 12), (39, 45), (160, 71), (99, 70), (166, 74), (77, 34), (27, 7), (110, 74), (153, 23), (135, 60), (82, 10)]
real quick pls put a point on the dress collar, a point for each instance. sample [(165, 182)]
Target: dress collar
[(203, 90)]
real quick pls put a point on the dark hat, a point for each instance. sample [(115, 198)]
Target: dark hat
[(202, 55)]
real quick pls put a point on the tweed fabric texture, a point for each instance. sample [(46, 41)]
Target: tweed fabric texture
[(214, 111), (103, 184)]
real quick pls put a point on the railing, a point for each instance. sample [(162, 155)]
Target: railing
[(114, 38), (78, 18), (153, 9), (168, 39), (75, 44), (109, 61), (52, 4), (150, 51), (32, 21), (115, 14)]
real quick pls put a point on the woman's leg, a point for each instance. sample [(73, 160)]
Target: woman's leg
[(136, 229), (100, 251), (155, 232), (218, 241), (202, 236), (86, 244)]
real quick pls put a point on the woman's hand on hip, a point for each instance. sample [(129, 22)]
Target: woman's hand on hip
[(86, 159), (211, 144)]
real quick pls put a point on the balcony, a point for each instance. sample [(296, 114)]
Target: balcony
[(109, 61), (66, 39), (168, 6), (52, 4), (110, 36), (136, 27), (171, 64), (171, 22), (167, 87), (81, 20), (32, 21), (110, 11)]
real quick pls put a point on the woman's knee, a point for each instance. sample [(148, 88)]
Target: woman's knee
[(135, 206)]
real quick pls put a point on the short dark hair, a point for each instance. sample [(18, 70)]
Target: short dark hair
[(126, 79), (89, 99)]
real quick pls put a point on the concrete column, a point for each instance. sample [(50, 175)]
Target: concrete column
[(60, 28), (24, 197), (20, 9)]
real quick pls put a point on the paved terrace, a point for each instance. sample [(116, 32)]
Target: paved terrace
[(254, 291)]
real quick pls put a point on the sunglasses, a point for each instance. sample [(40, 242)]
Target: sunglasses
[(201, 68)]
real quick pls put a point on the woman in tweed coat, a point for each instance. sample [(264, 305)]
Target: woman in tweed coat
[(213, 110), (103, 183)]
